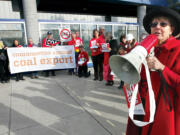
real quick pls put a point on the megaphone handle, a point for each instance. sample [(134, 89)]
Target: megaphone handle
[(151, 100)]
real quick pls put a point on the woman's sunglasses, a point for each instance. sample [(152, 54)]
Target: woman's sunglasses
[(162, 24)]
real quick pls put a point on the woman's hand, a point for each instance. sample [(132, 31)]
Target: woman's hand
[(154, 63)]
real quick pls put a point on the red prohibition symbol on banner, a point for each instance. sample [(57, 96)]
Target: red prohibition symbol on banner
[(65, 33)]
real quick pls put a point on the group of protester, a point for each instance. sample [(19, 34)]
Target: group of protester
[(99, 58)]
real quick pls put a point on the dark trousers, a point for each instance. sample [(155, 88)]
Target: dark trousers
[(19, 76), (98, 66), (2, 77), (82, 71), (47, 72)]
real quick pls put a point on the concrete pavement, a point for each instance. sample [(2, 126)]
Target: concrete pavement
[(62, 105)]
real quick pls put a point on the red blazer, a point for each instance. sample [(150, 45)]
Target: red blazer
[(165, 123)]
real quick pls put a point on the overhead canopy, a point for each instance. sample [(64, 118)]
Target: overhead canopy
[(146, 2), (97, 7)]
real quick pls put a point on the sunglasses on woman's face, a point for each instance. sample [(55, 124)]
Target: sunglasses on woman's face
[(162, 24)]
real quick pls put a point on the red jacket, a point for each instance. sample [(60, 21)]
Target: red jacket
[(165, 122), (102, 38), (95, 51), (76, 43), (49, 42), (84, 57)]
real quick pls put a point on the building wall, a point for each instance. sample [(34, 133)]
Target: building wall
[(6, 11)]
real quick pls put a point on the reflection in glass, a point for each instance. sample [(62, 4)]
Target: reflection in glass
[(87, 34), (12, 31), (133, 30), (119, 30)]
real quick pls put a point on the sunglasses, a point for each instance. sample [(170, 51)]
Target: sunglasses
[(162, 24)]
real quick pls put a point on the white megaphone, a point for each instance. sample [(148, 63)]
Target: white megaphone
[(127, 67)]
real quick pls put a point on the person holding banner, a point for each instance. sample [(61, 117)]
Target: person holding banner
[(165, 75), (31, 44), (49, 41), (19, 76), (96, 54), (4, 72)]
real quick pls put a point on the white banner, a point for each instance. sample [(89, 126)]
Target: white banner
[(35, 58)]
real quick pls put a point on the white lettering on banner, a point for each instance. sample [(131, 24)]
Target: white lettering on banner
[(128, 91), (34, 59)]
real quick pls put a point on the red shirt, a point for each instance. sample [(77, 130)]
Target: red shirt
[(102, 38), (30, 45), (19, 46), (49, 42), (83, 56), (93, 42), (76, 43)]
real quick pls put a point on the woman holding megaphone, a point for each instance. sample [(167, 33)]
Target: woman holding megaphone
[(164, 23)]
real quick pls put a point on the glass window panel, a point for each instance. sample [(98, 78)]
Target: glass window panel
[(119, 30), (12, 31), (87, 34), (133, 30), (54, 28), (108, 28), (55, 34), (49, 26), (75, 27)]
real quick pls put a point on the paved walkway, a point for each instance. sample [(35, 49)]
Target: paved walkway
[(62, 105)]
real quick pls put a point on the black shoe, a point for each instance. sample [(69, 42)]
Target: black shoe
[(121, 85), (95, 79), (53, 74), (108, 83), (17, 79), (46, 75), (2, 82), (112, 83), (100, 79), (21, 79)]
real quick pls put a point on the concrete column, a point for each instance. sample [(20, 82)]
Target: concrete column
[(141, 12), (31, 19)]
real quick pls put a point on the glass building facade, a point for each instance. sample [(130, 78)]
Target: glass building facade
[(15, 29)]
